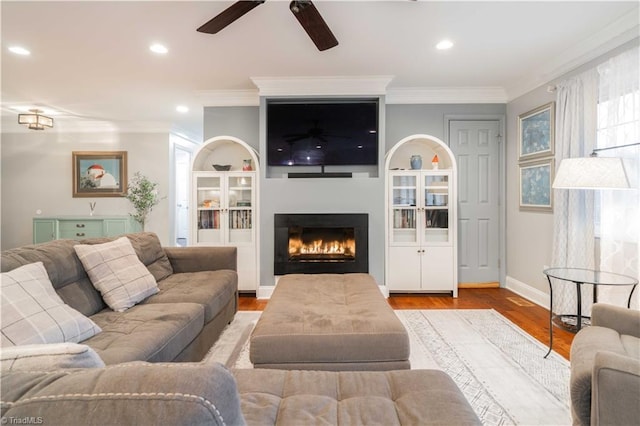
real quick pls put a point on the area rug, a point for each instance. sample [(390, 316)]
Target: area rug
[(500, 369)]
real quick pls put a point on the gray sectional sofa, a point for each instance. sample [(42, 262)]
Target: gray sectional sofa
[(198, 297)]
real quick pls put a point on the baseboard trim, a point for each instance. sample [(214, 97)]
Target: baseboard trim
[(525, 290), (479, 285), (264, 292)]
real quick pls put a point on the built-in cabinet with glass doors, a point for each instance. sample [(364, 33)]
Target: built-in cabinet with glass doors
[(224, 203), (421, 249)]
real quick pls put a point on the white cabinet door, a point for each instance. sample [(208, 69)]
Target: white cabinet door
[(437, 268), (404, 269)]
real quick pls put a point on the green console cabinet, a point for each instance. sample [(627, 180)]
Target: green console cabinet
[(81, 227)]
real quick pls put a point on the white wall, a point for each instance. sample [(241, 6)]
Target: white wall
[(36, 174)]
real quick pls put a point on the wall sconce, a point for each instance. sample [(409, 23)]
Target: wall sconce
[(592, 172), (34, 120)]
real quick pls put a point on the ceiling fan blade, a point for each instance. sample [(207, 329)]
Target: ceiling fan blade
[(312, 22), (229, 15)]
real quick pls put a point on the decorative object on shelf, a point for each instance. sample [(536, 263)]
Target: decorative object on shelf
[(222, 167), (92, 208), (246, 165), (35, 120), (536, 130), (99, 173), (535, 185), (416, 162), (144, 196), (434, 162)]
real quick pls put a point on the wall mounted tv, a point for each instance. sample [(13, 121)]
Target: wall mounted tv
[(322, 132)]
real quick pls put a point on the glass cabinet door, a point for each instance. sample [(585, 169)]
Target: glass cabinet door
[(404, 211), (436, 208), (241, 201), (209, 194)]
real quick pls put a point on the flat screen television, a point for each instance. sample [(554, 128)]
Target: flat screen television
[(322, 132)]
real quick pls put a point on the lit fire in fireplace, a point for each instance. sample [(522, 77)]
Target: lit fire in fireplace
[(320, 247)]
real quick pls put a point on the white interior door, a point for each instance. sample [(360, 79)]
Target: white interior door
[(182, 167), (476, 145)]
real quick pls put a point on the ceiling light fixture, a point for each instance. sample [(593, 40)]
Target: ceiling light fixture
[(34, 120), (444, 45), (19, 50), (158, 48), (182, 109)]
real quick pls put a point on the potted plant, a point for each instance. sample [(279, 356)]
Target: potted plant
[(143, 195)]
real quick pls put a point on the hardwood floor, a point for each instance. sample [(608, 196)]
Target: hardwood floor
[(530, 317)]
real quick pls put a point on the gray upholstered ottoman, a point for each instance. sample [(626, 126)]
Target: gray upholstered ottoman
[(409, 397), (329, 322)]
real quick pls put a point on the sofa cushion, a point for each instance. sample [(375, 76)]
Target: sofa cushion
[(49, 357), (65, 271), (154, 332), (33, 313), (150, 252), (213, 289), (584, 347), (138, 393), (631, 345), (407, 397), (116, 271)]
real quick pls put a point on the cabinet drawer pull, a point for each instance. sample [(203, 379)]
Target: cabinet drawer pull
[(79, 234), (79, 225)]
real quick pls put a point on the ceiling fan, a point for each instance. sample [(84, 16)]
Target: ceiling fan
[(303, 10)]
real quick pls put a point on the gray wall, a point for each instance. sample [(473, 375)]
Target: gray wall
[(36, 175), (530, 235), (355, 195)]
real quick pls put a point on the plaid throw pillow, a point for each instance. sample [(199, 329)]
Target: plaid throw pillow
[(117, 273), (32, 311), (49, 357)]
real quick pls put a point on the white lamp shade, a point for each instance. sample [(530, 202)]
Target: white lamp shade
[(591, 173)]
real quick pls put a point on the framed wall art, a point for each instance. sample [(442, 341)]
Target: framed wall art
[(536, 130), (535, 185), (99, 173)]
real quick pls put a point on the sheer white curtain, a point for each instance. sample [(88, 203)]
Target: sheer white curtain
[(619, 124), (573, 215)]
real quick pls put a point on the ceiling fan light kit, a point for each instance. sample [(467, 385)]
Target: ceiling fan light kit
[(304, 11)]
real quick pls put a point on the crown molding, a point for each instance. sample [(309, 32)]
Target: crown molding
[(322, 86), (619, 32), (447, 95), (216, 98)]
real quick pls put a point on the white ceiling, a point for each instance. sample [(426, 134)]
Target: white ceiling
[(90, 60)]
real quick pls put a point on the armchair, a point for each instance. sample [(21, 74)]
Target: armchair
[(605, 368)]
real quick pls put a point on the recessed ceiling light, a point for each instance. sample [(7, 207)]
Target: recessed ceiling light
[(444, 45), (19, 50), (158, 48), (183, 109)]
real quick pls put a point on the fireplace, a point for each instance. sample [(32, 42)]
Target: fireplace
[(321, 243)]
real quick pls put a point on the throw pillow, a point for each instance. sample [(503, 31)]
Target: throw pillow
[(117, 273), (32, 311), (49, 357)]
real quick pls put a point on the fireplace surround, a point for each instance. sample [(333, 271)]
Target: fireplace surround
[(320, 243)]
